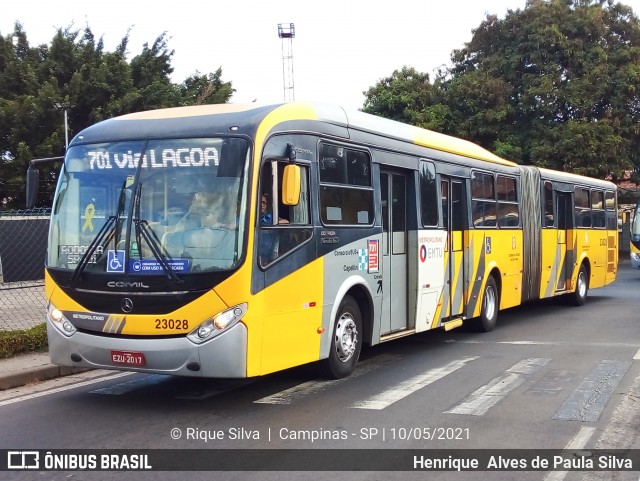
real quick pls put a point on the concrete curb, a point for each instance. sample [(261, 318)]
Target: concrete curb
[(36, 374)]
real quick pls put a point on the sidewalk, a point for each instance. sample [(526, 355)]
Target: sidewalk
[(29, 368)]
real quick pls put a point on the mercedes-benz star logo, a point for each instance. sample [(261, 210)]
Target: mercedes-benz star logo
[(126, 305)]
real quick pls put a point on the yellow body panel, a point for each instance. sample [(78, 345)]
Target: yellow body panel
[(553, 255), (292, 310), (282, 320), (496, 250), (291, 334), (597, 248)]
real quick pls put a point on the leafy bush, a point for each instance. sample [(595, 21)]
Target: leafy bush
[(27, 340)]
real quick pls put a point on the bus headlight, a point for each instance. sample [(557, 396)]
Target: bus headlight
[(217, 324), (60, 322)]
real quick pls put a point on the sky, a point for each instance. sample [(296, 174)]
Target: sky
[(341, 47)]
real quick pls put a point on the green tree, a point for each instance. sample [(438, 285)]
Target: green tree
[(206, 89), (150, 73), (93, 84), (556, 84), (407, 96)]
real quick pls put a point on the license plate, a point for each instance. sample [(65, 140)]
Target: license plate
[(127, 358)]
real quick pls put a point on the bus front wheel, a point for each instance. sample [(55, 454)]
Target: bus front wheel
[(346, 340)]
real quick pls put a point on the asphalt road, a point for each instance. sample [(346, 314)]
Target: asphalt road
[(551, 376)]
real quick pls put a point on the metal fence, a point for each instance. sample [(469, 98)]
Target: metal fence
[(23, 244)]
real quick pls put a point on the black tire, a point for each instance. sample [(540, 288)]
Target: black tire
[(579, 296), (490, 307), (346, 341)]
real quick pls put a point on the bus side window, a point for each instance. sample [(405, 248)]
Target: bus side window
[(582, 213), (549, 218), (428, 194), (293, 225), (346, 190), (597, 209), (444, 188), (483, 205)]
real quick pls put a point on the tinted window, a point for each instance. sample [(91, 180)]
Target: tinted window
[(508, 208), (549, 218), (483, 203), (582, 213), (428, 194), (346, 195), (597, 209), (340, 165)]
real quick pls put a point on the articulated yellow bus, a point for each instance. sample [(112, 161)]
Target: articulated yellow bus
[(235, 241)]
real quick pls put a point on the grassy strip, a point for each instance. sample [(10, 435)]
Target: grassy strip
[(26, 340)]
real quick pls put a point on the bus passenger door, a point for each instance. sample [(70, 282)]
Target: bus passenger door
[(393, 188), (563, 263), (453, 213)]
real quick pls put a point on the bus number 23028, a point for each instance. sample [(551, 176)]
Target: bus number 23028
[(172, 324)]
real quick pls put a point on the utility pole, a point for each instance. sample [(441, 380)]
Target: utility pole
[(287, 33), (64, 106)]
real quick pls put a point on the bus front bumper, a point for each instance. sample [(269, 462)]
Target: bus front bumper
[(224, 356)]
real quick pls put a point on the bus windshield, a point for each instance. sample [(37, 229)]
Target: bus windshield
[(170, 206)]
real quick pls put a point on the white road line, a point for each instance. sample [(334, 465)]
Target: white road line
[(551, 343), (587, 402), (405, 388), (64, 388), (637, 356), (308, 388), (485, 397), (579, 441)]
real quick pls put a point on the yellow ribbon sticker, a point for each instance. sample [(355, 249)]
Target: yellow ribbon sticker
[(88, 214)]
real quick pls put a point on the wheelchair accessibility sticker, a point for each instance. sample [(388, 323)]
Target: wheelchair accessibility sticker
[(115, 261)]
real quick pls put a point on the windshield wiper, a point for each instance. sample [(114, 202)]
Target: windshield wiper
[(143, 230), (102, 233)]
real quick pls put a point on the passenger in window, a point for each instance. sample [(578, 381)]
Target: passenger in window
[(220, 214), (266, 216), (206, 210), (269, 240)]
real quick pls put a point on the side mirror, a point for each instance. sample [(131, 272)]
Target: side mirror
[(33, 178), (291, 184)]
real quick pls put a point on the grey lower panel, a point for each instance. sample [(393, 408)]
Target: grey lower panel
[(224, 356)]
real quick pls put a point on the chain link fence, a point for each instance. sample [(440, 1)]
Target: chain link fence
[(23, 245)]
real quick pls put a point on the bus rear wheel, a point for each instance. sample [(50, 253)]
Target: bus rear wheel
[(579, 296), (490, 307), (346, 340)]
